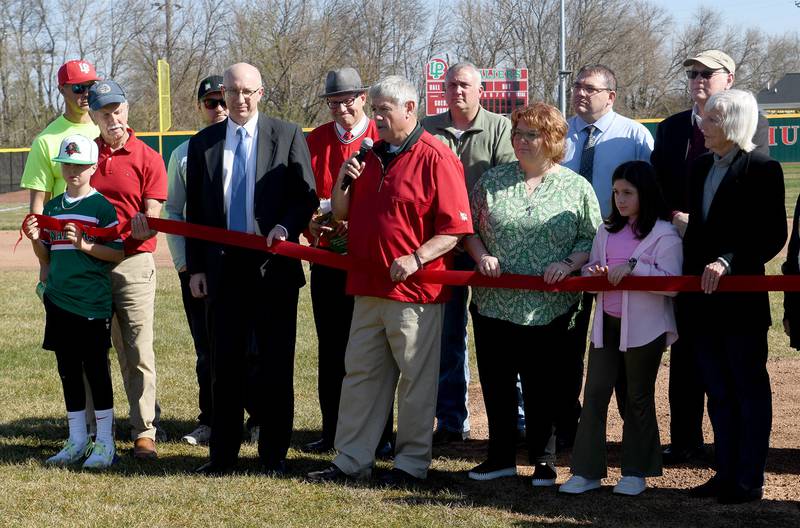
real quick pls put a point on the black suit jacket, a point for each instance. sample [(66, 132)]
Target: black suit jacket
[(791, 300), (746, 224), (284, 194), (669, 155)]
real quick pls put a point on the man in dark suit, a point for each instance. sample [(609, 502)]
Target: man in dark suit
[(678, 143), (249, 173), (730, 334)]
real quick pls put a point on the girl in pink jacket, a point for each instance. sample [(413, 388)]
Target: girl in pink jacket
[(630, 331)]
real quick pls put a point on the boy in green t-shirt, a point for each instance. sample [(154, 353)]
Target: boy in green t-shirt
[(77, 301)]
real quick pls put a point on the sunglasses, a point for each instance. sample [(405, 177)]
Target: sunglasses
[(80, 88), (705, 74), (211, 104)]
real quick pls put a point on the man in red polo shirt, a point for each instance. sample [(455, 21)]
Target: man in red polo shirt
[(407, 208), (132, 177)]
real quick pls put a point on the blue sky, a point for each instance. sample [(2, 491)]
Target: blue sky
[(772, 16)]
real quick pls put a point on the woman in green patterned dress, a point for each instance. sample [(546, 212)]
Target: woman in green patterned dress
[(531, 217)]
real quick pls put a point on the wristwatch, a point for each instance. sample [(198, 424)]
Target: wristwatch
[(632, 263)]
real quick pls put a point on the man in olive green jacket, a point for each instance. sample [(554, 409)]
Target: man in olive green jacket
[(481, 139)]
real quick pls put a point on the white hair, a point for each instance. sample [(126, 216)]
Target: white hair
[(395, 88), (739, 111)]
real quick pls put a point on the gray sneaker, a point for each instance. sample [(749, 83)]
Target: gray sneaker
[(70, 453), (102, 456), (199, 436)]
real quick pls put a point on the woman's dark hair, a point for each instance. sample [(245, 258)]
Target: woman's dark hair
[(652, 206)]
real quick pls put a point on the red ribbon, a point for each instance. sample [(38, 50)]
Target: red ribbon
[(732, 283)]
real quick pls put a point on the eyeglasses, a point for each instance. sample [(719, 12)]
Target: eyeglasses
[(211, 104), (81, 88), (705, 74), (525, 135), (247, 94), (589, 89), (334, 105)]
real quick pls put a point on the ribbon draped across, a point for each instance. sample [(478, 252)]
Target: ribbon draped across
[(732, 283)]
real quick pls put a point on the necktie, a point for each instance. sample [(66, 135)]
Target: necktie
[(587, 156), (237, 211), (347, 136)]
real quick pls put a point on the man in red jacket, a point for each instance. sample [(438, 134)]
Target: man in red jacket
[(407, 208)]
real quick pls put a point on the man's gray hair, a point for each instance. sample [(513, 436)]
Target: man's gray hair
[(603, 71), (739, 111), (457, 67), (395, 88)]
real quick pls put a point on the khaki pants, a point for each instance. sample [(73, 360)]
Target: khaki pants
[(389, 341), (133, 287)]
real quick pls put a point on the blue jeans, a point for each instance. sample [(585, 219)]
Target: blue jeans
[(452, 411)]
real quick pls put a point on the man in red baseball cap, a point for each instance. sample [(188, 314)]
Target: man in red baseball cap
[(42, 176)]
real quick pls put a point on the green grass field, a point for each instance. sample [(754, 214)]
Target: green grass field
[(164, 493)]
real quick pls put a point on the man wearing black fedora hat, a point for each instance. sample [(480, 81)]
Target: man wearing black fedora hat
[(330, 145)]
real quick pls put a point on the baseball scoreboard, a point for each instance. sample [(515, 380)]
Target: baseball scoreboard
[(504, 89)]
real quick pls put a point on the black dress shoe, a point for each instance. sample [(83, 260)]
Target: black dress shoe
[(443, 436), (672, 456), (385, 451), (274, 469), (711, 488), (213, 469), (318, 446), (331, 473), (739, 495), (397, 478)]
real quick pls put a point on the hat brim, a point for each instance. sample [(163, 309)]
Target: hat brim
[(81, 80), (105, 100), (343, 92), (708, 63), (72, 161), (210, 92)]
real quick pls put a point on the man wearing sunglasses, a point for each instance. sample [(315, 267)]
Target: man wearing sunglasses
[(211, 108), (42, 177), (679, 142), (598, 141)]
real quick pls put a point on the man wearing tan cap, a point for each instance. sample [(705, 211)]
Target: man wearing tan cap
[(679, 142)]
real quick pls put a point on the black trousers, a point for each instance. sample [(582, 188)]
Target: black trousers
[(81, 345), (686, 393), (333, 312), (734, 372), (499, 363), (195, 310), (252, 325)]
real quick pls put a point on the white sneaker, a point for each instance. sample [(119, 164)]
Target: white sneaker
[(199, 436), (70, 453), (630, 486), (577, 484), (102, 456)]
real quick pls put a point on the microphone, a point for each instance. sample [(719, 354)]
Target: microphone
[(366, 146)]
